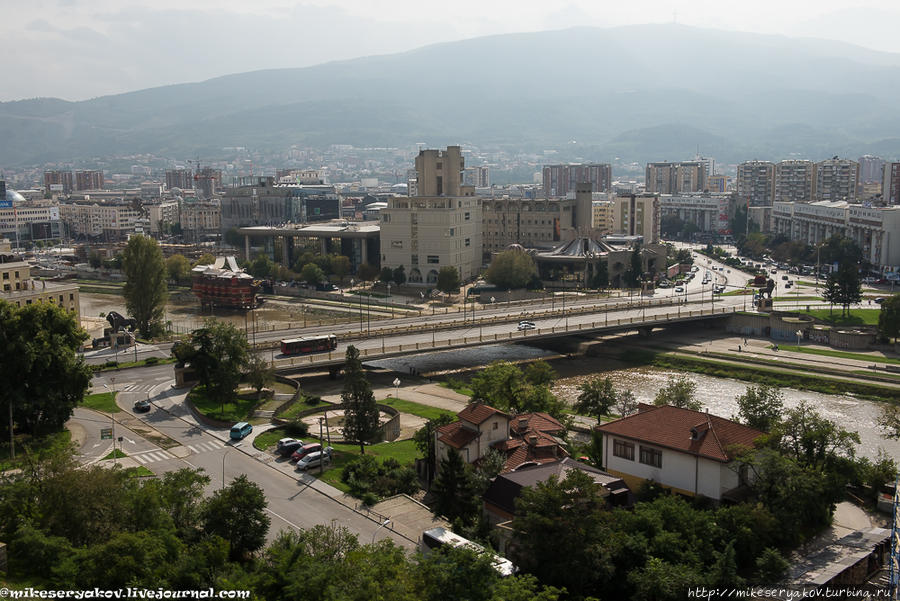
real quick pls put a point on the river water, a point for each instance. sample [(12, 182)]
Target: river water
[(717, 394)]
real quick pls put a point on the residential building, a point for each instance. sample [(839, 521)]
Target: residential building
[(26, 222), (890, 184), (870, 169), (19, 289), (439, 227), (875, 229), (262, 201), (691, 452), (674, 178), (182, 179), (756, 183), (637, 215), (88, 180), (105, 221), (207, 181), (717, 183), (795, 181), (709, 212), (560, 180), (199, 220), (58, 182), (163, 216), (837, 179), (602, 213), (533, 223), (477, 177)]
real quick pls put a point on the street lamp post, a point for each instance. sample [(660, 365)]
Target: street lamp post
[(224, 455), (380, 526), (396, 388), (799, 336), (389, 300), (112, 419)]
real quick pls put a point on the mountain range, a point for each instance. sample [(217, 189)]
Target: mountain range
[(636, 93)]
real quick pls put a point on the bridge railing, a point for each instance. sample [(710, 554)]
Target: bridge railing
[(441, 344)]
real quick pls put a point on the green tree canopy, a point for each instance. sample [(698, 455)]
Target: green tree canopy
[(399, 275), (425, 443), (44, 378), (596, 397), (262, 266), (366, 272), (219, 353), (178, 268), (205, 259), (259, 372), (455, 490), (760, 406), (680, 392), (340, 266), (360, 408), (448, 280), (145, 288), (312, 274), (386, 275), (237, 513), (889, 318), (511, 269)]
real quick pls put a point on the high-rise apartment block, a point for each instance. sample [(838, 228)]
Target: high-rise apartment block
[(717, 183), (438, 227), (870, 169), (479, 177), (59, 182), (88, 180), (637, 215), (559, 180), (837, 179), (890, 183), (795, 181), (675, 178), (756, 183), (179, 178)]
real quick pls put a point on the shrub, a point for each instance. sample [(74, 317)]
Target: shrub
[(296, 428), (312, 400), (151, 360), (111, 364), (366, 476)]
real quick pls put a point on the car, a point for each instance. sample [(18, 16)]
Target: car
[(285, 441), (679, 288), (774, 271), (788, 284), (879, 300), (288, 449), (305, 450), (315, 459), (141, 406), (526, 325), (784, 277)]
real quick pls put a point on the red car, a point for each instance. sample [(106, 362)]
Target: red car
[(306, 450)]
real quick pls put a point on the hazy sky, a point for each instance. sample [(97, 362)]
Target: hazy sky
[(76, 49)]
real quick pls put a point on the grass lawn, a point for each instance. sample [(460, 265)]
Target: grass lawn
[(236, 410), (139, 472), (25, 443), (842, 354), (118, 454), (299, 406), (404, 451), (857, 317), (815, 299), (417, 409), (101, 401), (457, 386), (281, 387), (881, 374), (269, 438)]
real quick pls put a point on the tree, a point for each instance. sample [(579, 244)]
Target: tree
[(635, 271), (205, 259), (262, 266), (259, 372), (340, 266), (386, 275), (399, 275), (597, 397), (454, 490), (366, 272), (448, 280), (511, 269), (94, 259), (237, 513), (539, 373), (625, 404), (360, 408), (219, 354), (760, 406), (312, 274), (812, 440), (44, 378), (849, 286), (234, 238), (679, 393), (889, 318), (424, 440), (178, 268), (832, 290), (145, 288)]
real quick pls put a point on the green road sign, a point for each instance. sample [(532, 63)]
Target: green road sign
[(105, 433)]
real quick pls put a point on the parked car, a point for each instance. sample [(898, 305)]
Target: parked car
[(788, 284), (240, 430), (288, 449), (315, 459), (679, 289), (526, 325), (141, 406), (305, 450), (879, 300), (784, 277)]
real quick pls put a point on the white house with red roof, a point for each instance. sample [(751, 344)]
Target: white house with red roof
[(691, 452), (526, 439)]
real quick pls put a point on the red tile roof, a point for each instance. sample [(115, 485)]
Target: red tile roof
[(685, 430), (477, 413), (456, 435), (536, 422)]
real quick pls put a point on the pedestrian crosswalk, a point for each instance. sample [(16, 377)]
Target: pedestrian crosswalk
[(145, 457), (146, 387)]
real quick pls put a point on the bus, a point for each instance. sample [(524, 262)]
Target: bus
[(309, 344), (438, 537)]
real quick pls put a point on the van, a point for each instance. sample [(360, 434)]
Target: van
[(240, 430), (315, 459)]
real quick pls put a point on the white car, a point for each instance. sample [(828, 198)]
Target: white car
[(526, 325), (679, 289)]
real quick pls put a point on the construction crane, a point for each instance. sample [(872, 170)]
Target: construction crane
[(203, 187)]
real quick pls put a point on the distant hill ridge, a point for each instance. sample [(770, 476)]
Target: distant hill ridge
[(642, 93)]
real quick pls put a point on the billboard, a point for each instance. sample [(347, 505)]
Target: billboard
[(6, 204)]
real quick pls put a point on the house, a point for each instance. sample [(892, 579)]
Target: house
[(526, 439), (500, 497), (689, 451)]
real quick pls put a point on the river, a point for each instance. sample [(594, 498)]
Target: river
[(717, 394)]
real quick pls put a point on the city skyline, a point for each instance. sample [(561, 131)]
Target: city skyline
[(135, 45)]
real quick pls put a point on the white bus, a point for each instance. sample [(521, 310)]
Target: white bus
[(438, 537)]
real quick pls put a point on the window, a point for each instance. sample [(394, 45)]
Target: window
[(467, 216), (496, 425), (650, 456), (385, 218), (415, 259), (452, 231), (434, 259), (5, 275), (468, 241), (396, 243), (623, 449)]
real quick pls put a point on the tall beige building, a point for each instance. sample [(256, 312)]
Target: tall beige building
[(674, 178), (19, 289), (756, 183), (439, 227), (890, 183), (637, 215), (837, 179), (795, 181)]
